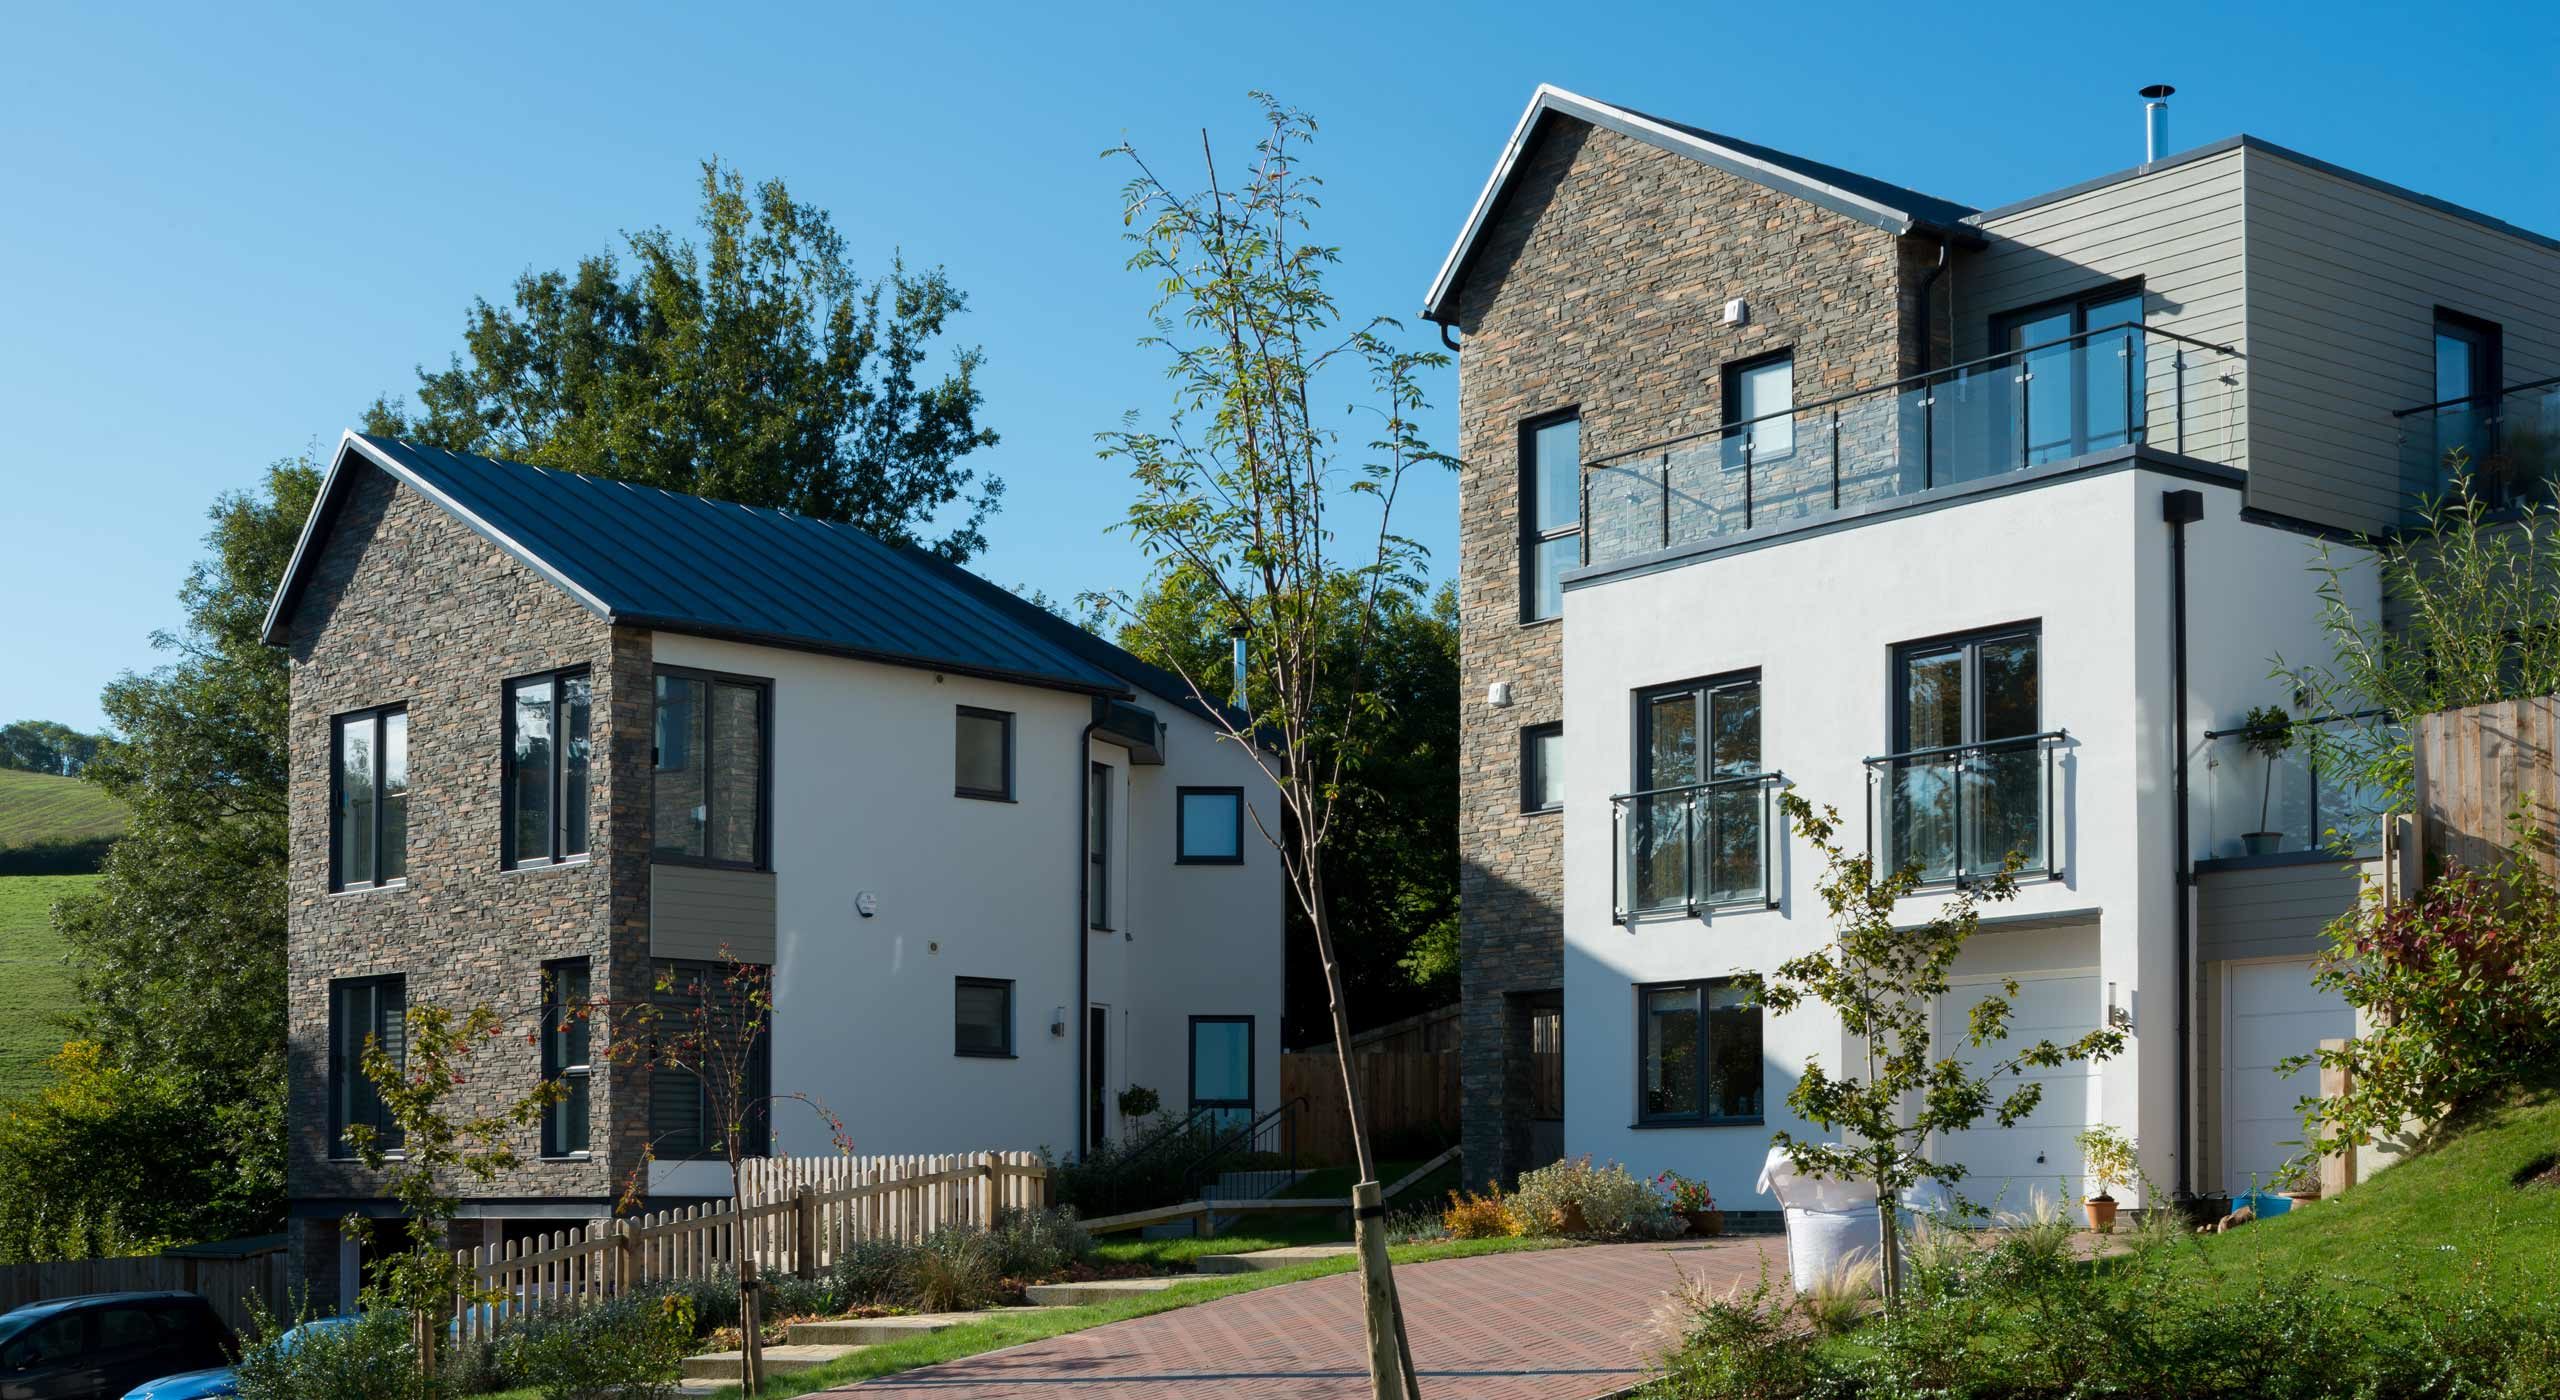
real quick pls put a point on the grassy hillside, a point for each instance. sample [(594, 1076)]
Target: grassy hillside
[(34, 983), (2490, 1195), (53, 825)]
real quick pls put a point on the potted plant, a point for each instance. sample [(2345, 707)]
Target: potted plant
[(2267, 732), (1138, 1101), (2300, 1183), (2106, 1154), (1691, 1200)]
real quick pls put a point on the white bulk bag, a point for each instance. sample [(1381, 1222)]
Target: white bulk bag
[(1828, 1222)]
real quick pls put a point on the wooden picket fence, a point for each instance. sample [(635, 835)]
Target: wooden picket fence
[(799, 1215)]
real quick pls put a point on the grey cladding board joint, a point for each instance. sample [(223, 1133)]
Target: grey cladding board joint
[(2274, 911), (700, 913)]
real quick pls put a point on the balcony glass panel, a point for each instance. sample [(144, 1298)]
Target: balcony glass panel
[(2047, 402), (2507, 445), (1959, 813), (1693, 848), (2251, 806)]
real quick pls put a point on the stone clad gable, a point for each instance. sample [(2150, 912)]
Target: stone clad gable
[(408, 606), (1600, 285)]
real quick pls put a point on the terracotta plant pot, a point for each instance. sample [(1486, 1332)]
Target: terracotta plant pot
[(1705, 1224), (2102, 1214)]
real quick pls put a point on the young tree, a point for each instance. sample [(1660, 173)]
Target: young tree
[(1241, 489), (707, 1022), (1884, 979), (433, 1143), (756, 369)]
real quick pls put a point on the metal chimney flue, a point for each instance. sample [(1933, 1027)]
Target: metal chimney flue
[(1236, 633), (2155, 121)]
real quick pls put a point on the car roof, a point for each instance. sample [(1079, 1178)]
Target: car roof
[(49, 1306)]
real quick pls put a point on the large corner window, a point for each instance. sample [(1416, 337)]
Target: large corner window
[(547, 748), (566, 1040), (1222, 1068), (708, 795), (1759, 403), (1697, 822), (1965, 782), (362, 1011), (1208, 826), (2078, 392), (982, 1017), (1550, 511), (711, 1052), (982, 766), (1698, 1057), (1097, 847), (369, 816)]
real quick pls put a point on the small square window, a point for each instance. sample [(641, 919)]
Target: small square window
[(983, 765), (1542, 768), (1209, 826), (983, 1012)]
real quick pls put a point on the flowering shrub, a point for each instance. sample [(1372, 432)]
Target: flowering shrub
[(2459, 992), (1573, 1197), (1684, 1194), (1485, 1217)]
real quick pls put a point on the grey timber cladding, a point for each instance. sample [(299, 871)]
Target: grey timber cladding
[(2270, 911), (705, 914)]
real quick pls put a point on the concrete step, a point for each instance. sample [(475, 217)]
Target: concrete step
[(725, 1367), (873, 1331), (1260, 1259), (1108, 1290)]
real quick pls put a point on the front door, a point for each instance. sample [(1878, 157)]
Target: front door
[(1097, 1075)]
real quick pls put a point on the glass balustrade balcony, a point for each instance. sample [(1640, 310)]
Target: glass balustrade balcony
[(1959, 812), (2253, 805), (1703, 846), (2507, 445), (2108, 388)]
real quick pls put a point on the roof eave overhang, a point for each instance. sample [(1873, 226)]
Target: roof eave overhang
[(306, 550), (784, 641), (1441, 304)]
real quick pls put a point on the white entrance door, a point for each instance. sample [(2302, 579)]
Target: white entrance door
[(2270, 1013), (2009, 1169)]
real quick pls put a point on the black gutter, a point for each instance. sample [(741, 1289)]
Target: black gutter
[(2181, 509), (1084, 934)]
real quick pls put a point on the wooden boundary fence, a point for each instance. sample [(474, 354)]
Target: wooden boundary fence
[(799, 1215), (1406, 1092), (2474, 767), (230, 1284)]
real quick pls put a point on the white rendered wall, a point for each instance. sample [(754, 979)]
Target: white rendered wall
[(1819, 617), (862, 802)]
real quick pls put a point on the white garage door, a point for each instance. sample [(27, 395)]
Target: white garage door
[(2008, 1169), (2271, 1012)]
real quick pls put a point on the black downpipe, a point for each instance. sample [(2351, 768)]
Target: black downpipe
[(1084, 935), (2181, 509), (1928, 284)]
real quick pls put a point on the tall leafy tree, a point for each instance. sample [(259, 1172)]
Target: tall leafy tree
[(179, 951), (756, 367), (1394, 892), (43, 746)]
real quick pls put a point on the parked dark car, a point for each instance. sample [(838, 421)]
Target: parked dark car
[(100, 1345)]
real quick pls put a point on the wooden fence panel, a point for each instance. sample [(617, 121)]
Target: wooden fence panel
[(2474, 767), (1407, 1095), (235, 1287)]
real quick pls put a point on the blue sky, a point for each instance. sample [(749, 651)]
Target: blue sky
[(227, 228)]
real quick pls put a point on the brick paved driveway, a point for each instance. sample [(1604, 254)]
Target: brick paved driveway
[(1551, 1325)]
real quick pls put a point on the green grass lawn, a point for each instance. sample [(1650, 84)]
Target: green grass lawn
[(1265, 1231), (34, 982), (41, 807), (2427, 1221), (1014, 1329)]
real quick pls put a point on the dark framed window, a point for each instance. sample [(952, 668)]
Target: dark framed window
[(1542, 768), (547, 747), (369, 799), (567, 1042), (1208, 826), (2470, 369), (712, 785), (1097, 846), (1697, 1054), (1754, 390), (1222, 1068), (982, 766), (1967, 779), (982, 1017), (363, 1009), (1550, 511), (688, 999), (2078, 395), (1699, 820)]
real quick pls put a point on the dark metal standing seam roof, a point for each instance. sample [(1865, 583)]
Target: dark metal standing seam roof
[(657, 559)]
